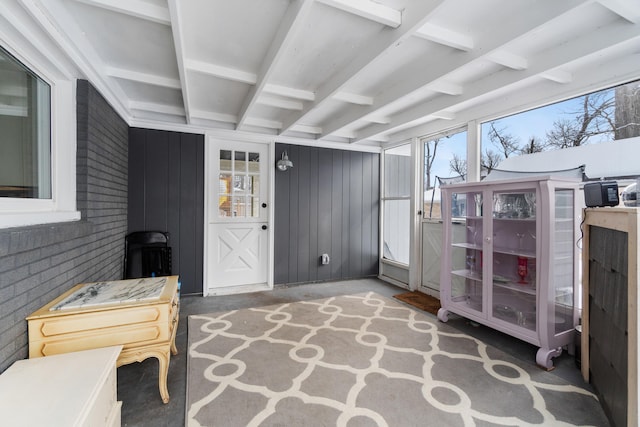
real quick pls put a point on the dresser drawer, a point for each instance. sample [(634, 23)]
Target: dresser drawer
[(104, 403), (94, 321)]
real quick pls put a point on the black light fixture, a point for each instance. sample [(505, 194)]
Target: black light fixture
[(284, 163)]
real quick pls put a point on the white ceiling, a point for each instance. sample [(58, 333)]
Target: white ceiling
[(349, 71)]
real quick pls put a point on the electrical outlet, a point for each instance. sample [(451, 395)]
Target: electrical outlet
[(325, 259)]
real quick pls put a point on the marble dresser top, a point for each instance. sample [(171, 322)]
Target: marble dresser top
[(114, 292)]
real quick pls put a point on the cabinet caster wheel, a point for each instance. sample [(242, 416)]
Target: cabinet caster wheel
[(544, 356), (443, 315)]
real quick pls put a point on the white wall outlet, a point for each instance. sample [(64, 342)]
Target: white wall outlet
[(325, 259)]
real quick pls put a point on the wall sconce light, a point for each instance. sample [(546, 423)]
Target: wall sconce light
[(284, 163)]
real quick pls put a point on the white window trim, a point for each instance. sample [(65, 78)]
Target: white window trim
[(61, 207)]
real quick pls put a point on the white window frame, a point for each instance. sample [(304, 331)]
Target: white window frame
[(61, 207)]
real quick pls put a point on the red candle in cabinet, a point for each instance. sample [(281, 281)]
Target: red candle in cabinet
[(522, 268)]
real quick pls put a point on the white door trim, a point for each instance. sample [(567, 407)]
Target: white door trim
[(210, 144)]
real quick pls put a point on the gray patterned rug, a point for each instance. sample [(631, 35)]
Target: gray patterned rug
[(364, 360)]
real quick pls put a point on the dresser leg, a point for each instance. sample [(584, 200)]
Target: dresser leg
[(163, 372)]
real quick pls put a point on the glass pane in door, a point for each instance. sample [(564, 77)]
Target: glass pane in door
[(224, 195), (396, 230), (466, 247), (514, 258), (225, 160), (254, 163)]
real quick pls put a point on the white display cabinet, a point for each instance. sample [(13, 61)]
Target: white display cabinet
[(509, 259)]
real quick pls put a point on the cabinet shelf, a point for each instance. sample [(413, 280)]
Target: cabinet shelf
[(467, 246), (505, 219), (516, 252), (468, 274), (525, 288)]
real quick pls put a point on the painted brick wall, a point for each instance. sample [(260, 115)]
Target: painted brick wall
[(39, 263)]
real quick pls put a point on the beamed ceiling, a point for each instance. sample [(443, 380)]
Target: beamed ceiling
[(333, 71)]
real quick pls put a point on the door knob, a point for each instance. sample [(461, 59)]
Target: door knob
[(264, 227), (264, 205)]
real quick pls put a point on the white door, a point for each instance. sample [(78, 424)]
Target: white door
[(237, 215)]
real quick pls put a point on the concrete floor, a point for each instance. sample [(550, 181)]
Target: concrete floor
[(138, 382)]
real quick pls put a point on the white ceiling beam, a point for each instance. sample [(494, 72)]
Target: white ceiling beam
[(178, 42), (445, 87), (307, 129), (305, 95), (446, 37), (156, 108), (345, 134), (627, 9), (353, 98), (220, 71), (411, 81), (136, 76), (291, 24), (416, 14), (383, 120), (263, 123), (558, 76), (137, 8), (286, 104), (593, 44), (509, 60), (444, 115), (380, 138), (369, 10), (210, 115)]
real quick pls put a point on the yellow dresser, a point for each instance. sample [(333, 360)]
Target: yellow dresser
[(139, 314)]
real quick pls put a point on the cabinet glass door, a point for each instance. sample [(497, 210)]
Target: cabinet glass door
[(513, 288), (466, 251), (563, 262)]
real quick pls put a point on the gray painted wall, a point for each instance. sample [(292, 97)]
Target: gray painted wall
[(39, 263), (328, 203), (166, 193)]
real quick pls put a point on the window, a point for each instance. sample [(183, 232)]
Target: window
[(604, 116), (397, 204), (25, 131), (37, 139), (445, 161)]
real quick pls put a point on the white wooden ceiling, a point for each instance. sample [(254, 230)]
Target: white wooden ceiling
[(351, 71)]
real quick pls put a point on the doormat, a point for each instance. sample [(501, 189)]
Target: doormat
[(422, 301)]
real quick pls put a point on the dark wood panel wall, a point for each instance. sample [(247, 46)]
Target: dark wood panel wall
[(328, 203), (166, 193)]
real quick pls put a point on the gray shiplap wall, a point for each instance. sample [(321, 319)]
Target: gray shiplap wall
[(328, 203), (41, 262), (166, 193)]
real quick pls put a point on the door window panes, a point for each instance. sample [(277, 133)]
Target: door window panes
[(239, 189)]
